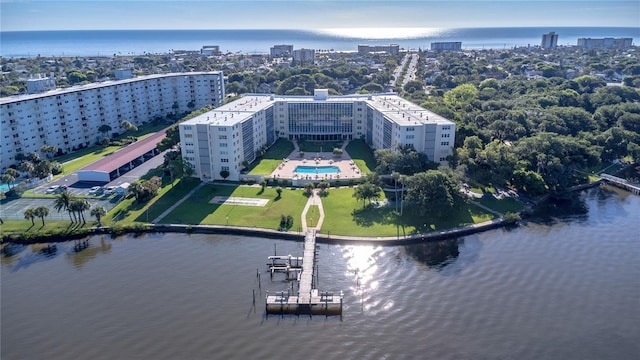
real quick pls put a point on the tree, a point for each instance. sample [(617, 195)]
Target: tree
[(98, 212), (308, 188), (30, 214), (104, 129), (42, 169), (41, 212), (171, 139), (224, 174), (79, 206), (323, 186), (8, 179), (395, 176), (137, 189), (366, 191), (63, 202), (279, 192), (461, 95), (433, 193), (127, 126), (27, 167), (179, 168), (49, 150)]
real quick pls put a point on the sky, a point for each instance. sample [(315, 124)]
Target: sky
[(17, 15)]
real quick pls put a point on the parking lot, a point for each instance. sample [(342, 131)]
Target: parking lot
[(13, 209)]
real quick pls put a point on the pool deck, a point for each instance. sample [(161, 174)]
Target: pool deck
[(348, 170)]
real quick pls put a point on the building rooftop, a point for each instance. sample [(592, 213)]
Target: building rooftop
[(96, 85), (127, 154), (399, 110)]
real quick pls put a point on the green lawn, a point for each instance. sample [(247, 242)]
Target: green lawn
[(345, 216), (50, 226), (270, 161), (362, 155), (128, 211), (313, 214), (198, 210), (503, 205)]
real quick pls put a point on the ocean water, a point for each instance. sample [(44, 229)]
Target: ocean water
[(567, 288), (135, 42)]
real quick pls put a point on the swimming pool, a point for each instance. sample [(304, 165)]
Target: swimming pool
[(5, 187), (301, 169)]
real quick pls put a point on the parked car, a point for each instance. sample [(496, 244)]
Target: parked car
[(110, 190), (96, 190), (52, 189)]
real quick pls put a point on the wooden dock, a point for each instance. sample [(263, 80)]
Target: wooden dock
[(308, 300), (621, 183)]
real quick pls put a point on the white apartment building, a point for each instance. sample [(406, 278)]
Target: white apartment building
[(40, 83), (69, 118), (281, 50), (222, 139), (304, 55), (619, 43)]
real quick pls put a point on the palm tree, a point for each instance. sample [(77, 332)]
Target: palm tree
[(98, 212), (27, 167), (41, 212), (396, 176), (63, 202), (79, 206), (8, 179), (137, 189), (29, 214)]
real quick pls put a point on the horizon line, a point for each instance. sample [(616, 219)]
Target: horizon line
[(336, 28)]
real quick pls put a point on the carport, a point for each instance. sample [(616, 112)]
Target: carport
[(121, 161)]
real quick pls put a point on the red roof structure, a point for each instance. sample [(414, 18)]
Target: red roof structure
[(120, 158)]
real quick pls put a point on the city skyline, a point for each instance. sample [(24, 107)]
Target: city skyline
[(345, 16)]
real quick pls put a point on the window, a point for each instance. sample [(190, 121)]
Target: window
[(410, 137), (222, 137), (224, 160), (444, 143), (446, 135)]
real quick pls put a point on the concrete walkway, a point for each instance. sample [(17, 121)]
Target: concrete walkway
[(172, 207), (314, 199)]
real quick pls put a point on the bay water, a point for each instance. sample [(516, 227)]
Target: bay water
[(567, 287)]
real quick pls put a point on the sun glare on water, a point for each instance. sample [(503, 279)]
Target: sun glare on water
[(382, 33)]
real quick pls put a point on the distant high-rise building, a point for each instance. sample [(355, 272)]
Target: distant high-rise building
[(304, 55), (208, 50), (619, 43), (393, 49), (447, 45), (281, 50), (549, 41)]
